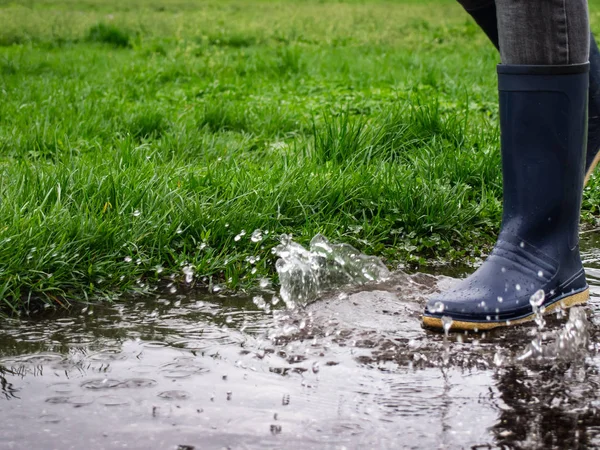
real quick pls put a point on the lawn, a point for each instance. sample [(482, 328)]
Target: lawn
[(142, 141)]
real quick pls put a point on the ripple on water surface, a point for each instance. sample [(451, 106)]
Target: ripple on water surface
[(352, 369)]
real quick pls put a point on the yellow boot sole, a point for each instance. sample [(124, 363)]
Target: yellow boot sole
[(461, 325)]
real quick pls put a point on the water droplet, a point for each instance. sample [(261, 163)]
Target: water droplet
[(188, 271), (537, 298), (136, 213), (259, 301), (239, 236), (500, 299), (228, 319), (447, 323), (264, 282), (503, 270), (518, 287), (498, 359), (540, 274), (173, 289), (315, 367), (127, 259), (256, 236), (438, 307)]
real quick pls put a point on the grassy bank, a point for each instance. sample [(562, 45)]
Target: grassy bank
[(141, 137)]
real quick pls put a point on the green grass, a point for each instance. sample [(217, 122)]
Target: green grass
[(140, 135)]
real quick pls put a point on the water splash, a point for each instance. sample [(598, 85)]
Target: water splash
[(573, 339), (304, 274), (569, 342), (447, 324)]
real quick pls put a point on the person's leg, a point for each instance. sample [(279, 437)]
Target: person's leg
[(543, 32), (543, 90), (485, 15)]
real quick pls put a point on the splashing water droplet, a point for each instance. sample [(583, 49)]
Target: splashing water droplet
[(438, 307), (305, 274), (188, 271), (315, 367), (498, 359), (537, 299), (256, 236), (239, 236), (259, 301), (447, 323)]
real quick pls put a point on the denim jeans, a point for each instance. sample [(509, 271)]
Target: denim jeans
[(540, 32)]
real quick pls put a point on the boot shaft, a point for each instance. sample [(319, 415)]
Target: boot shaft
[(543, 122)]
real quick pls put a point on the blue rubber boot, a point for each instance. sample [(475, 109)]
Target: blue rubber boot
[(543, 117), (485, 17)]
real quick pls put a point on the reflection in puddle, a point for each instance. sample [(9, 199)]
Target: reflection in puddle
[(353, 369)]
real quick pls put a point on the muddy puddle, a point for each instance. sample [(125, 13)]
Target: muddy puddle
[(352, 370)]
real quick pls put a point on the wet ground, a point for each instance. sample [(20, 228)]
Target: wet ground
[(352, 370)]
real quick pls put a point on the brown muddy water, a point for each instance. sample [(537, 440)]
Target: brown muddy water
[(352, 370)]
